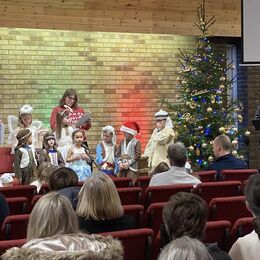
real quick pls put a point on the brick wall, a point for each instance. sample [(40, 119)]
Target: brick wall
[(117, 76), (253, 85)]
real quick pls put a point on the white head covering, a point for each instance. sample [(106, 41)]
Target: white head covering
[(109, 129), (7, 178), (163, 115), (26, 109)]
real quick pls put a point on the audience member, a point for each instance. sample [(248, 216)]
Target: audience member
[(99, 208), (224, 159), (177, 174), (248, 247), (69, 101), (185, 248), (4, 209), (53, 233), (162, 137), (129, 151), (44, 172), (185, 214), (65, 181)]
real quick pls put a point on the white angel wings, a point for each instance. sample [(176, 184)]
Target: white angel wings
[(13, 128)]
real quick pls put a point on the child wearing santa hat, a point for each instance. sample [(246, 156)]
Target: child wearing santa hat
[(129, 151)]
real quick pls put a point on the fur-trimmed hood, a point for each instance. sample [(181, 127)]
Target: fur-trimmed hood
[(68, 247)]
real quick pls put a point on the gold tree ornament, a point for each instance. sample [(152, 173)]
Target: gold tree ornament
[(204, 145), (235, 143), (210, 158), (222, 130), (209, 110), (191, 148), (247, 133), (222, 78), (240, 118), (221, 86), (234, 153)]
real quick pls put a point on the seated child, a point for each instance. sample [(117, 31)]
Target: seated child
[(129, 151), (44, 172), (106, 151)]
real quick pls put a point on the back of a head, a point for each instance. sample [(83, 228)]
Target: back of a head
[(52, 215), (44, 171), (185, 248), (99, 199), (185, 214), (224, 142), (252, 193), (177, 154), (63, 177)]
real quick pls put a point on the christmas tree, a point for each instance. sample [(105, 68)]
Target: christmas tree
[(204, 108)]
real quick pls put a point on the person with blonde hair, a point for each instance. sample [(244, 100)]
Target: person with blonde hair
[(44, 172), (99, 208), (53, 233), (185, 248)]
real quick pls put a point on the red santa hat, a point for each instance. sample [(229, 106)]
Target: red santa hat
[(130, 127)]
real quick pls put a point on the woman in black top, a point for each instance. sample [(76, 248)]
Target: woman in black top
[(99, 208)]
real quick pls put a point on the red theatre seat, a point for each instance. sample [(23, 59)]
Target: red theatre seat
[(15, 227), (137, 212), (7, 244), (6, 160), (163, 193), (153, 216), (242, 227), (218, 231), (210, 190), (237, 175), (17, 205), (228, 208), (143, 182), (130, 195), (206, 176), (122, 182), (136, 242), (27, 191), (44, 189)]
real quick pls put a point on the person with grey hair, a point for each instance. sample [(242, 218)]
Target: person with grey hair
[(223, 158), (177, 174), (185, 248)]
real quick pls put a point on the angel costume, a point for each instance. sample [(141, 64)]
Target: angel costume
[(156, 149), (81, 167), (13, 129)]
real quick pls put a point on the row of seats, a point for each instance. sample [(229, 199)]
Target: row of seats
[(138, 243), (227, 208), (134, 195)]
